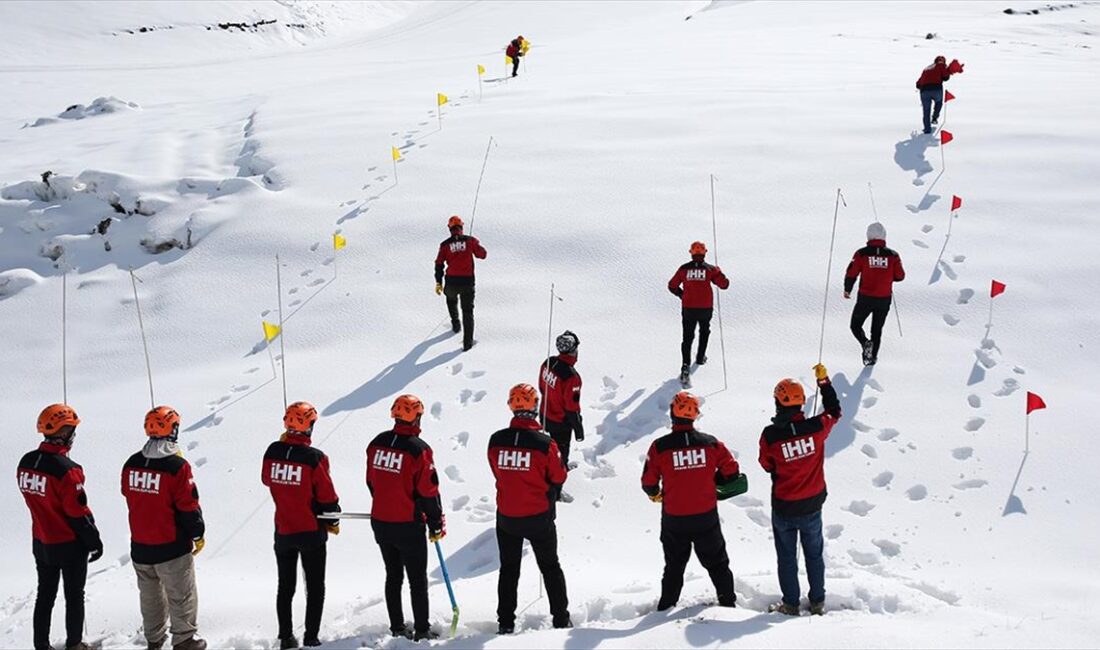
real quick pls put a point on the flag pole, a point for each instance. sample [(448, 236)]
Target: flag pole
[(1027, 433), (477, 192), (714, 235), (282, 346), (872, 193), (395, 168), (828, 277)]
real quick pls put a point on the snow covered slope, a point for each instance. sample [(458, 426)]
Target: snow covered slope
[(267, 140)]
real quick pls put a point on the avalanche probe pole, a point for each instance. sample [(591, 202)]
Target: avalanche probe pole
[(144, 343), (828, 275), (721, 330), (64, 351), (282, 333), (450, 590), (477, 192)]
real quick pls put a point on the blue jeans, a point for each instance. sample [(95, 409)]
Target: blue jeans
[(928, 98), (786, 531)]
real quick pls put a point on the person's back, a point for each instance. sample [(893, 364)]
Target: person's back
[(877, 268)]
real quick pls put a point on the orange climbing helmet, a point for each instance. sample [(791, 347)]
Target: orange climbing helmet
[(55, 416), (455, 222), (685, 406), (162, 422), (789, 392), (698, 248), (523, 397), (300, 417), (406, 408)]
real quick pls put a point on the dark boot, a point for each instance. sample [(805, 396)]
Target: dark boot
[(817, 609), (288, 643), (426, 635), (194, 643)]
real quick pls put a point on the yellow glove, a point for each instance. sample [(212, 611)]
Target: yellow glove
[(438, 289), (437, 536), (820, 372), (200, 544), (657, 498), (333, 528)]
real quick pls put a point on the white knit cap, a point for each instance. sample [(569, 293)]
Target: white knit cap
[(876, 231)]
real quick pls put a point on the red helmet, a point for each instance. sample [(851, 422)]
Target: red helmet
[(55, 416), (455, 222), (698, 248), (300, 417), (406, 408), (162, 422), (789, 392), (685, 406), (523, 397)]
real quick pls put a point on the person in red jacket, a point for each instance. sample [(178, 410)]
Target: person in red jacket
[(877, 268), (560, 388), (65, 537), (691, 283), (529, 476), (687, 471), (930, 85), (166, 532), (792, 451), (297, 474), (404, 487), (514, 52), (456, 256)]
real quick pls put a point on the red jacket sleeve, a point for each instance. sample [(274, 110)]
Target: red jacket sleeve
[(766, 459), (426, 484), (555, 467), (73, 500), (572, 395), (441, 256), (185, 499), (479, 250), (324, 492), (651, 473), (719, 279), (899, 270), (726, 464), (855, 267), (674, 285)]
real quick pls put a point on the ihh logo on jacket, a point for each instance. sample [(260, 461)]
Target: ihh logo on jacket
[(696, 274), (878, 262), (514, 461), (32, 484), (689, 459), (458, 246), (798, 449), (286, 474), (148, 482), (388, 461), (550, 378)]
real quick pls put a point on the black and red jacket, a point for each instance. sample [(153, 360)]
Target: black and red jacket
[(933, 77), (163, 500), (878, 268), (685, 467), (560, 387), (62, 525), (692, 281), (514, 49), (403, 482), (792, 450), (528, 469), (457, 253), (301, 487)]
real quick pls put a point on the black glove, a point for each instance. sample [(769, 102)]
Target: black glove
[(95, 552), (578, 431)]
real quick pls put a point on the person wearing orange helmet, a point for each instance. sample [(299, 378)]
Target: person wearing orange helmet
[(529, 475), (298, 476), (792, 451), (687, 472), (691, 283), (65, 537), (404, 487), (166, 532), (455, 261)]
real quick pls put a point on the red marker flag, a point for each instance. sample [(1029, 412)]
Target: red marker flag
[(947, 96), (996, 289), (1034, 403), (956, 203), (945, 137)]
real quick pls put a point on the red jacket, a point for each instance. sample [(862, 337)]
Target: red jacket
[(792, 450), (457, 253), (301, 487), (692, 281), (879, 266), (514, 49), (685, 467), (402, 479), (933, 75), (528, 469), (62, 525), (163, 501), (560, 387)]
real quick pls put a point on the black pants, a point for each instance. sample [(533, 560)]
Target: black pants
[(406, 556), (49, 577), (465, 293), (710, 548), (562, 433), (691, 318), (877, 309), (313, 566), (543, 535), (515, 65)]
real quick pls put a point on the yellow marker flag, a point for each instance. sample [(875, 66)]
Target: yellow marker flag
[(338, 241), (396, 153), (507, 60), (526, 46), (480, 69), (440, 99), (271, 331)]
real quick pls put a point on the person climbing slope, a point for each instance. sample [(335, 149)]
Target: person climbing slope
[(691, 283), (877, 268), (455, 261)]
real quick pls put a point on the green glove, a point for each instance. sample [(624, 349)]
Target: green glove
[(737, 485)]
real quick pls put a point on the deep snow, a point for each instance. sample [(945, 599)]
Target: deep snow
[(940, 532)]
